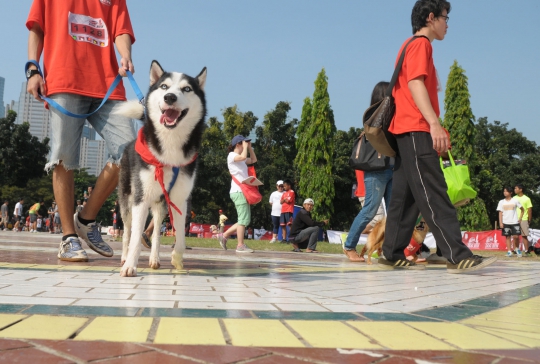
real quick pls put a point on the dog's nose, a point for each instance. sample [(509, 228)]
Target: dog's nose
[(170, 98)]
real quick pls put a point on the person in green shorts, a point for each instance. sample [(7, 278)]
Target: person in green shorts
[(238, 162)]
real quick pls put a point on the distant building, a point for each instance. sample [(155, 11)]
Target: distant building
[(2, 108), (12, 106), (33, 112), (93, 155)]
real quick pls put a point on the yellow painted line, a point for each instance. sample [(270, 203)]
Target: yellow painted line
[(511, 333), (463, 337), (507, 316), (331, 334), (254, 332), (524, 340), (101, 269), (21, 265), (8, 319), (47, 266), (474, 321), (120, 329), (44, 327), (189, 331), (398, 336), (72, 267)]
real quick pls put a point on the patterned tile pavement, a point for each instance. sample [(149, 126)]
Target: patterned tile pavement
[(263, 307)]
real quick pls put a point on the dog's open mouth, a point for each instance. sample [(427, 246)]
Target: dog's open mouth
[(171, 117)]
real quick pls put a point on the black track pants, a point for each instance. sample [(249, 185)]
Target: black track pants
[(419, 187)]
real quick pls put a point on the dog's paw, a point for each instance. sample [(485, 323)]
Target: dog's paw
[(128, 272), (154, 263), (369, 262), (177, 260)]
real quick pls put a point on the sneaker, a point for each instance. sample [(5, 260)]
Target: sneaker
[(222, 241), (72, 251), (243, 249), (470, 264), (518, 253), (353, 256), (92, 236), (272, 241), (510, 254), (399, 264)]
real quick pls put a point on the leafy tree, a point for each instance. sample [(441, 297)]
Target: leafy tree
[(459, 121), (275, 148), (314, 159), (505, 158), (237, 122), (22, 156), (301, 133), (344, 179)]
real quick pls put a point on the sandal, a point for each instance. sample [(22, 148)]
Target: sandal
[(311, 251), (145, 241), (297, 250)]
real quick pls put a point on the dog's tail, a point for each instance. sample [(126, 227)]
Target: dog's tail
[(132, 109)]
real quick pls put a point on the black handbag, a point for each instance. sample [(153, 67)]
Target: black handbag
[(378, 116), (365, 158)]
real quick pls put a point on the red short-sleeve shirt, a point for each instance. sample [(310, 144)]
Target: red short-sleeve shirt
[(418, 62), (78, 50)]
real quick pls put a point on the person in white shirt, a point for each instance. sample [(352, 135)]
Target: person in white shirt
[(238, 162), (508, 219), (17, 213), (275, 202)]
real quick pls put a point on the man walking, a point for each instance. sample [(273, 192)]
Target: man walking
[(525, 220), (77, 38), (5, 215), (419, 184)]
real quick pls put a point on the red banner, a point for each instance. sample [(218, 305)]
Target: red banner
[(485, 240)]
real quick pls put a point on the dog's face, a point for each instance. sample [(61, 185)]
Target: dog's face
[(175, 98), (420, 231)]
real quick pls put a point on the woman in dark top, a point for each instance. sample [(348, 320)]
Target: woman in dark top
[(305, 231)]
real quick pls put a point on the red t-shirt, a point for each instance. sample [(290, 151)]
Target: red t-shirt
[(288, 199), (78, 49), (360, 186), (418, 62)]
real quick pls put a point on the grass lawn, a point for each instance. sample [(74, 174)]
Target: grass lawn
[(323, 247)]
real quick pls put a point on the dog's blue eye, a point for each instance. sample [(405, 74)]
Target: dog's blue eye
[(164, 87), (186, 89)]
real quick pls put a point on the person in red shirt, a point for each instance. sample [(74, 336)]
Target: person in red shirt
[(419, 184), (287, 208), (78, 39)]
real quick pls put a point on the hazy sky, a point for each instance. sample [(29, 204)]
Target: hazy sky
[(261, 52)]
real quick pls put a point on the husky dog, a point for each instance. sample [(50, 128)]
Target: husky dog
[(173, 117)]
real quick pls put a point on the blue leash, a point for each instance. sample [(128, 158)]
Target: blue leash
[(115, 83)]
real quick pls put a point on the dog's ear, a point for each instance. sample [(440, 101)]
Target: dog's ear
[(155, 72), (202, 78)]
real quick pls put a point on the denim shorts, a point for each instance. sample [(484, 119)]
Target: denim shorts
[(116, 130)]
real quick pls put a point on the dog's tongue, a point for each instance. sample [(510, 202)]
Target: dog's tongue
[(170, 116)]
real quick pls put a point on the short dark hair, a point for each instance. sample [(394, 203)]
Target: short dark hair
[(520, 186), (508, 189), (288, 181), (422, 9), (378, 92)]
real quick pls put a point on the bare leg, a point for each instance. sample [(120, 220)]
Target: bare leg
[(64, 191), (105, 185)]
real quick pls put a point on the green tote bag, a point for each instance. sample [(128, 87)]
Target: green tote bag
[(458, 181)]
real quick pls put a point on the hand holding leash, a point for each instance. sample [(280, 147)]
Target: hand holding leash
[(125, 65)]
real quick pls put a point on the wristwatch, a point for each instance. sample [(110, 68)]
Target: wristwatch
[(30, 73)]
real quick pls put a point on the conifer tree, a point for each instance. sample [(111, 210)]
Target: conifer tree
[(315, 150), (460, 122)]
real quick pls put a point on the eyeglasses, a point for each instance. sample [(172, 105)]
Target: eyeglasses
[(446, 18)]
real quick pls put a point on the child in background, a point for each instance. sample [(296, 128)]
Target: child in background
[(287, 208), (222, 219)]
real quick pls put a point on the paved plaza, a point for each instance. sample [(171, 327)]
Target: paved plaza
[(266, 307)]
